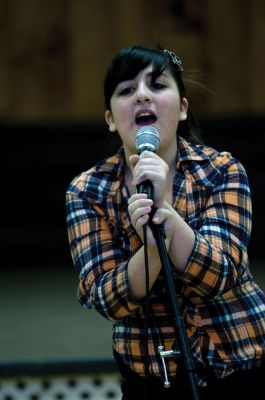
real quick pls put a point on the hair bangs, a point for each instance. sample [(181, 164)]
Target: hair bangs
[(129, 62)]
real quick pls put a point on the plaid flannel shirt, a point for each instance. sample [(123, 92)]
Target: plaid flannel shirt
[(223, 308)]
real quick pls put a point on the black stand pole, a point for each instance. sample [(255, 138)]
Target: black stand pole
[(182, 338)]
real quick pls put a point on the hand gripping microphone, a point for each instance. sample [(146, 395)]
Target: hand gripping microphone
[(147, 138)]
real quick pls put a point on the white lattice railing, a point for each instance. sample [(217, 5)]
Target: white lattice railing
[(60, 380), (98, 387)]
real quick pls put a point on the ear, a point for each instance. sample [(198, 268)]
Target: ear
[(184, 105), (110, 121)]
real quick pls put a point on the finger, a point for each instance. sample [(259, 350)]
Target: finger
[(149, 154), (151, 174), (142, 169), (138, 197), (141, 222), (148, 164), (138, 213)]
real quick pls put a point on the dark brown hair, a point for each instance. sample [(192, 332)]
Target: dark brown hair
[(131, 60)]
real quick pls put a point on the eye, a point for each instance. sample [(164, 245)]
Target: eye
[(126, 91), (157, 85)]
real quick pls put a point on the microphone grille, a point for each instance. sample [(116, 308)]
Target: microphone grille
[(147, 138)]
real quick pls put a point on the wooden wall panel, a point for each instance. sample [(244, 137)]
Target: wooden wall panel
[(54, 53), (87, 26), (233, 52), (35, 65)]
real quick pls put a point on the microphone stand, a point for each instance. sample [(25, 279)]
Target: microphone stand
[(147, 138), (182, 337)]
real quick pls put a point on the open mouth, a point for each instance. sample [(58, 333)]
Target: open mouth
[(145, 118)]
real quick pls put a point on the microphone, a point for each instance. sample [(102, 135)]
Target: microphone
[(147, 138)]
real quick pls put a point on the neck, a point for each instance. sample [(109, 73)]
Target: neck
[(169, 156)]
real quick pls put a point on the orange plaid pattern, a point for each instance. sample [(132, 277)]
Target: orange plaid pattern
[(223, 308)]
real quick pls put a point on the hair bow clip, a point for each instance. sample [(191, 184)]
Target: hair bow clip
[(175, 59)]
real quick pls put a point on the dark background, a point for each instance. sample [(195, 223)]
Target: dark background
[(38, 163)]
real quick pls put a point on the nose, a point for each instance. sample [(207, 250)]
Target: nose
[(143, 93)]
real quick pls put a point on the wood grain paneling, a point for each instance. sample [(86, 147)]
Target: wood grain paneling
[(54, 53)]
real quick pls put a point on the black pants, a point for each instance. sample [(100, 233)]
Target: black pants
[(243, 385)]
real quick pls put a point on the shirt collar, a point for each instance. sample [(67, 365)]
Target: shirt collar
[(115, 168), (189, 152), (115, 165)]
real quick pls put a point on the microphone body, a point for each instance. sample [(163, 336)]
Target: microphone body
[(147, 138)]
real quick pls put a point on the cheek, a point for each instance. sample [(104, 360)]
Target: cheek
[(171, 103), (171, 113), (119, 110)]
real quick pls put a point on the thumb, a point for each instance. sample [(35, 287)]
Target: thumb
[(133, 159), (161, 215), (158, 217)]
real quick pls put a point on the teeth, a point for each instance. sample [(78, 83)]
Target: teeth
[(145, 118), (144, 114)]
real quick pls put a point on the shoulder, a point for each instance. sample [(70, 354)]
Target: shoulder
[(205, 165), (98, 181)]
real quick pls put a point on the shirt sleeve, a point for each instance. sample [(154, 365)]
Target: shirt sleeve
[(219, 257), (97, 255)]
